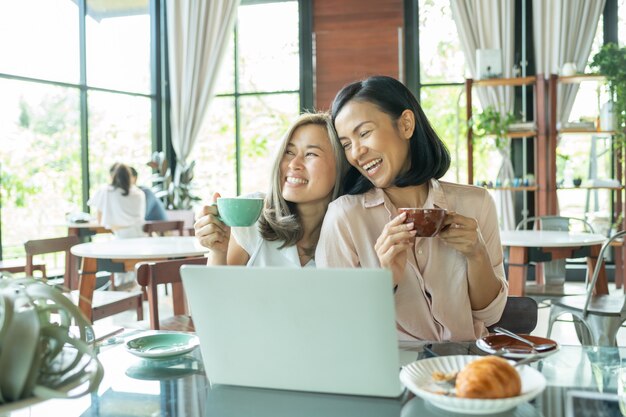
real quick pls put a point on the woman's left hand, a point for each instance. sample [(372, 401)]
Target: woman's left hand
[(462, 233)]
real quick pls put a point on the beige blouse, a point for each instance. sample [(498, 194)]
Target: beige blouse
[(432, 299)]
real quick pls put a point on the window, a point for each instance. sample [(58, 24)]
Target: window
[(442, 75), (41, 166), (255, 102)]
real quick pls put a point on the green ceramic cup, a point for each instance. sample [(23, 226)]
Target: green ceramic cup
[(239, 211)]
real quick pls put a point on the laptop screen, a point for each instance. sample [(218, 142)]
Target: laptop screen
[(321, 330)]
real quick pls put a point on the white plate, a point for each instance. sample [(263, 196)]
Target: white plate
[(162, 345), (417, 377), (518, 351)]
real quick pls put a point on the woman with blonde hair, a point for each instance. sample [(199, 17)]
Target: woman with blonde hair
[(306, 176)]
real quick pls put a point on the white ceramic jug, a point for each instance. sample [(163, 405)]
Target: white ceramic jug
[(607, 116)]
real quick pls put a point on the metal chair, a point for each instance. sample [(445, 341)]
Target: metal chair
[(150, 275), (598, 316), (519, 315)]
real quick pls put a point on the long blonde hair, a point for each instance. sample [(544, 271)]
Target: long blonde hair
[(279, 221)]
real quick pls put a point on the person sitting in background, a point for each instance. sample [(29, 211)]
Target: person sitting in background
[(305, 177), (120, 206), (155, 209)]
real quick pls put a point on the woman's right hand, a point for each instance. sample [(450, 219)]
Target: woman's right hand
[(392, 244), (210, 231)]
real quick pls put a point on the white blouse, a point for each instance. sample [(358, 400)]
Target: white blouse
[(263, 252)]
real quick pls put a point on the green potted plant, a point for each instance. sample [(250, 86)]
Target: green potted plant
[(490, 122), (176, 191), (610, 61)]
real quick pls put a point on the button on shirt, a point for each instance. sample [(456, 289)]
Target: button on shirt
[(432, 298)]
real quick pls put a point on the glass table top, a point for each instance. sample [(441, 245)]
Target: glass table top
[(134, 386)]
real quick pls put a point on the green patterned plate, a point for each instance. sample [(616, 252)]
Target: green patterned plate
[(162, 345)]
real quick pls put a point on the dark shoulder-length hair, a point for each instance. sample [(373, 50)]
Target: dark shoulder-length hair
[(120, 177), (429, 156)]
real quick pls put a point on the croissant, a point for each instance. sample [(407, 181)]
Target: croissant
[(488, 377)]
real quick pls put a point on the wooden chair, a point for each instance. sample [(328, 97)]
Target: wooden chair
[(159, 227), (599, 316), (519, 315), (150, 275), (16, 267), (53, 245), (103, 303)]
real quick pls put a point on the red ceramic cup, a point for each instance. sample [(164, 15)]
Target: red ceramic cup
[(428, 222)]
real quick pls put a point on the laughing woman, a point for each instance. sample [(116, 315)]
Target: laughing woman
[(305, 177), (449, 287)]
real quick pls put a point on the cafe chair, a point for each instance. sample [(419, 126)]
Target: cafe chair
[(599, 316), (39, 247), (159, 227), (15, 266), (519, 315), (95, 305), (152, 274)]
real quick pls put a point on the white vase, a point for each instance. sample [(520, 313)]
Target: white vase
[(607, 117)]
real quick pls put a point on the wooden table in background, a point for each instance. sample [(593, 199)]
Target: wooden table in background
[(542, 246), (124, 254)]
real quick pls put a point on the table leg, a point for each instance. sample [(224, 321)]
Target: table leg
[(518, 260), (86, 286), (602, 286)]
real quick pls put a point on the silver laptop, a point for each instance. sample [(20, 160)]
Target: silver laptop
[(320, 330)]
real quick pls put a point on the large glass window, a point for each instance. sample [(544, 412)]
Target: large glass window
[(118, 47), (441, 56), (442, 72), (39, 162), (259, 78), (119, 131), (41, 166), (39, 39)]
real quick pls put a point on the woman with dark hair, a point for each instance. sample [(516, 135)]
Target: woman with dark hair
[(120, 206), (450, 287), (306, 176)]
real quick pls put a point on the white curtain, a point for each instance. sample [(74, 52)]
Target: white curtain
[(198, 34), (489, 24), (563, 31)]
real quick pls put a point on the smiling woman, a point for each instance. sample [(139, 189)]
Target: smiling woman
[(397, 160), (306, 176)]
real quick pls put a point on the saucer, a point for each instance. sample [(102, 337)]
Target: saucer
[(516, 349), (162, 345)]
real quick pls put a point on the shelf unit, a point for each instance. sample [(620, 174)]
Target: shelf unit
[(540, 134), (617, 198), (554, 133)]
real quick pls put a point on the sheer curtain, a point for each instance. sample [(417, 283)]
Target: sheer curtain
[(563, 31), (489, 24), (198, 34)]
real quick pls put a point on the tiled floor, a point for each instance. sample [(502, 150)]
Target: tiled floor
[(563, 332)]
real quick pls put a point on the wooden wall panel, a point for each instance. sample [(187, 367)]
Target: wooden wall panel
[(352, 40)]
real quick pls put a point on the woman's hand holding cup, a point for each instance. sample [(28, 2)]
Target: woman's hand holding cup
[(392, 244), (211, 232), (462, 233)]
